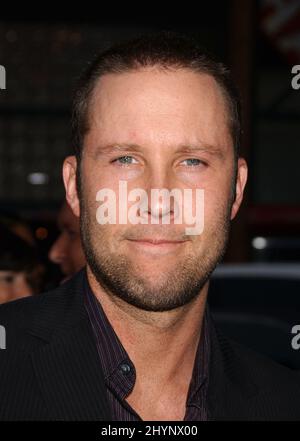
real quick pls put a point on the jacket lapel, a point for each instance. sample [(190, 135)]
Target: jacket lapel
[(70, 377), (67, 364), (230, 389)]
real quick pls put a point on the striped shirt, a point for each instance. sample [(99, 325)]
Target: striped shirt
[(120, 374)]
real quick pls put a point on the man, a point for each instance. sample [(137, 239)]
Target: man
[(131, 337), (67, 251)]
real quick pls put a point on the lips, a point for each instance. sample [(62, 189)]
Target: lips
[(156, 246), (155, 241)]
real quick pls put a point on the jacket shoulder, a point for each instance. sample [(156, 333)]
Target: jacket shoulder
[(276, 387), (260, 368), (48, 307)]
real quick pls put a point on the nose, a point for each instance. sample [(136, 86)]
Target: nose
[(57, 252), (160, 202)]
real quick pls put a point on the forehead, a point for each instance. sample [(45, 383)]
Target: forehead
[(158, 106)]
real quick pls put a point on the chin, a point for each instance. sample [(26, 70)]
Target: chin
[(152, 268)]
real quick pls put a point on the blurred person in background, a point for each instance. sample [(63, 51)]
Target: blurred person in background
[(67, 251), (21, 273), (18, 227)]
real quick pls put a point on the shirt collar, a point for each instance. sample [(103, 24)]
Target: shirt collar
[(119, 370)]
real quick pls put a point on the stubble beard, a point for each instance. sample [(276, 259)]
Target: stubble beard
[(118, 275)]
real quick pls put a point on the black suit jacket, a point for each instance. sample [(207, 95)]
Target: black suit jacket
[(50, 369)]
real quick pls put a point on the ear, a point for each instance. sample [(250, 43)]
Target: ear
[(69, 177), (242, 174)]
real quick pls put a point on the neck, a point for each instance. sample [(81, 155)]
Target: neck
[(158, 343)]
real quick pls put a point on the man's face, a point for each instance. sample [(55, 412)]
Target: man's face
[(13, 286), (156, 129), (67, 250)]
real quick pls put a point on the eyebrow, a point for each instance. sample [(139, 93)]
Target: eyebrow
[(182, 148), (207, 148), (117, 147)]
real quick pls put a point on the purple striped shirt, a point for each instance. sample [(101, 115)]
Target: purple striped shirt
[(120, 374)]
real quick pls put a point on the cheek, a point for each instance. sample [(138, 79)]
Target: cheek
[(6, 290), (216, 205), (95, 176), (92, 185), (21, 287), (105, 235), (74, 246)]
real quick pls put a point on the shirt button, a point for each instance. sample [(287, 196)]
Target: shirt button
[(125, 368)]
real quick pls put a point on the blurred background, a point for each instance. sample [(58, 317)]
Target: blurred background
[(255, 294)]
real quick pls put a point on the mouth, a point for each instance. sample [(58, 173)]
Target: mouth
[(155, 245)]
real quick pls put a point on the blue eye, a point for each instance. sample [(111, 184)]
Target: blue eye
[(193, 161), (124, 160)]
